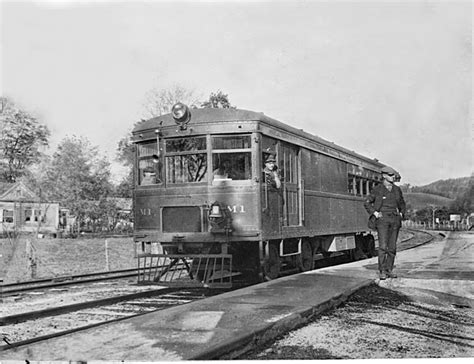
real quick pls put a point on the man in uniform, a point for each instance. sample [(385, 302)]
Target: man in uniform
[(149, 177), (386, 203), (272, 176)]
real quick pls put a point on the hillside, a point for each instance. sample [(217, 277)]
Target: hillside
[(420, 200), (450, 188)]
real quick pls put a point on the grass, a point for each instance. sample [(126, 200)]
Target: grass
[(63, 257), (419, 200)]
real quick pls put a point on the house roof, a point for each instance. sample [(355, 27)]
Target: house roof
[(16, 192), (4, 187)]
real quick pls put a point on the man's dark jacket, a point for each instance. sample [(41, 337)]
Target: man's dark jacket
[(375, 200)]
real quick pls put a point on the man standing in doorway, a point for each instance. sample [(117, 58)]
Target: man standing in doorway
[(386, 203), (272, 175)]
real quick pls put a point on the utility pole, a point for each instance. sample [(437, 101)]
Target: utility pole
[(434, 209)]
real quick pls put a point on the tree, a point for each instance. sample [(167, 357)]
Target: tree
[(160, 101), (79, 178), (126, 156), (406, 187), (35, 177), (218, 100), (464, 204), (21, 137), (126, 150)]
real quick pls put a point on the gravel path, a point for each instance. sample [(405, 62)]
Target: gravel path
[(379, 323)]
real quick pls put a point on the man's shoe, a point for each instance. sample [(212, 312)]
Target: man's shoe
[(391, 275), (382, 276)]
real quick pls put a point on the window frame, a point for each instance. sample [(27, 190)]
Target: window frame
[(148, 158), (4, 216), (167, 154), (213, 152)]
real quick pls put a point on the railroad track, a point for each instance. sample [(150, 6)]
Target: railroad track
[(53, 282), (419, 238), (34, 326)]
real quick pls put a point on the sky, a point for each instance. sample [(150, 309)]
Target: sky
[(389, 80)]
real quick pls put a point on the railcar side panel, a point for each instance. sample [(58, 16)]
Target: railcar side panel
[(328, 206)]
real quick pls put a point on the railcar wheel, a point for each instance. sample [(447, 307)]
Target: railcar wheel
[(306, 258), (271, 268)]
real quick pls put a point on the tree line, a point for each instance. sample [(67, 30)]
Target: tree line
[(459, 190), (76, 175)]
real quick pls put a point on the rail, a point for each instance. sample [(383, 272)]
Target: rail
[(17, 287), (165, 298)]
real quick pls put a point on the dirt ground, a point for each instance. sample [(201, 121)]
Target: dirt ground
[(377, 322)]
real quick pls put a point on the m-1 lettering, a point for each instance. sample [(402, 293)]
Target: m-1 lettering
[(237, 209), (145, 212)]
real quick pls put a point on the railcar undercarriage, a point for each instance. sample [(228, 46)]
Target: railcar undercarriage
[(222, 265), (165, 265)]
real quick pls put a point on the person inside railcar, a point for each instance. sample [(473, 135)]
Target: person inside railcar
[(224, 170), (149, 177), (386, 203), (272, 175)]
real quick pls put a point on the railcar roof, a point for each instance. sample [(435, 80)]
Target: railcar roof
[(204, 115), (212, 115)]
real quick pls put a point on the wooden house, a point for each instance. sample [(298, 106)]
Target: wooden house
[(21, 210)]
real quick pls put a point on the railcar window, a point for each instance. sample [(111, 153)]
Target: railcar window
[(186, 160), (365, 184), (351, 185), (231, 142), (232, 166), (231, 157), (191, 144), (359, 186), (150, 166)]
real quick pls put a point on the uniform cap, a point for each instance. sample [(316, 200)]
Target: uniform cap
[(270, 158), (388, 170)]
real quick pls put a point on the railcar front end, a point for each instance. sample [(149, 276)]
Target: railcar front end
[(196, 201)]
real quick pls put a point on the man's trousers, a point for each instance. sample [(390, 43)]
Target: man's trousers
[(388, 227)]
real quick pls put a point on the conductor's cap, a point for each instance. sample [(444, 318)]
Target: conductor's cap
[(388, 170), (270, 158)]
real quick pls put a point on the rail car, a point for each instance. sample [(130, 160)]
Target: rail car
[(196, 226)]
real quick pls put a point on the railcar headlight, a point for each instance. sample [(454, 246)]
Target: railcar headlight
[(220, 218), (181, 114), (215, 212)]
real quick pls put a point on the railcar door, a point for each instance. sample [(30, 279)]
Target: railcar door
[(290, 171), (271, 210), (271, 195)]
